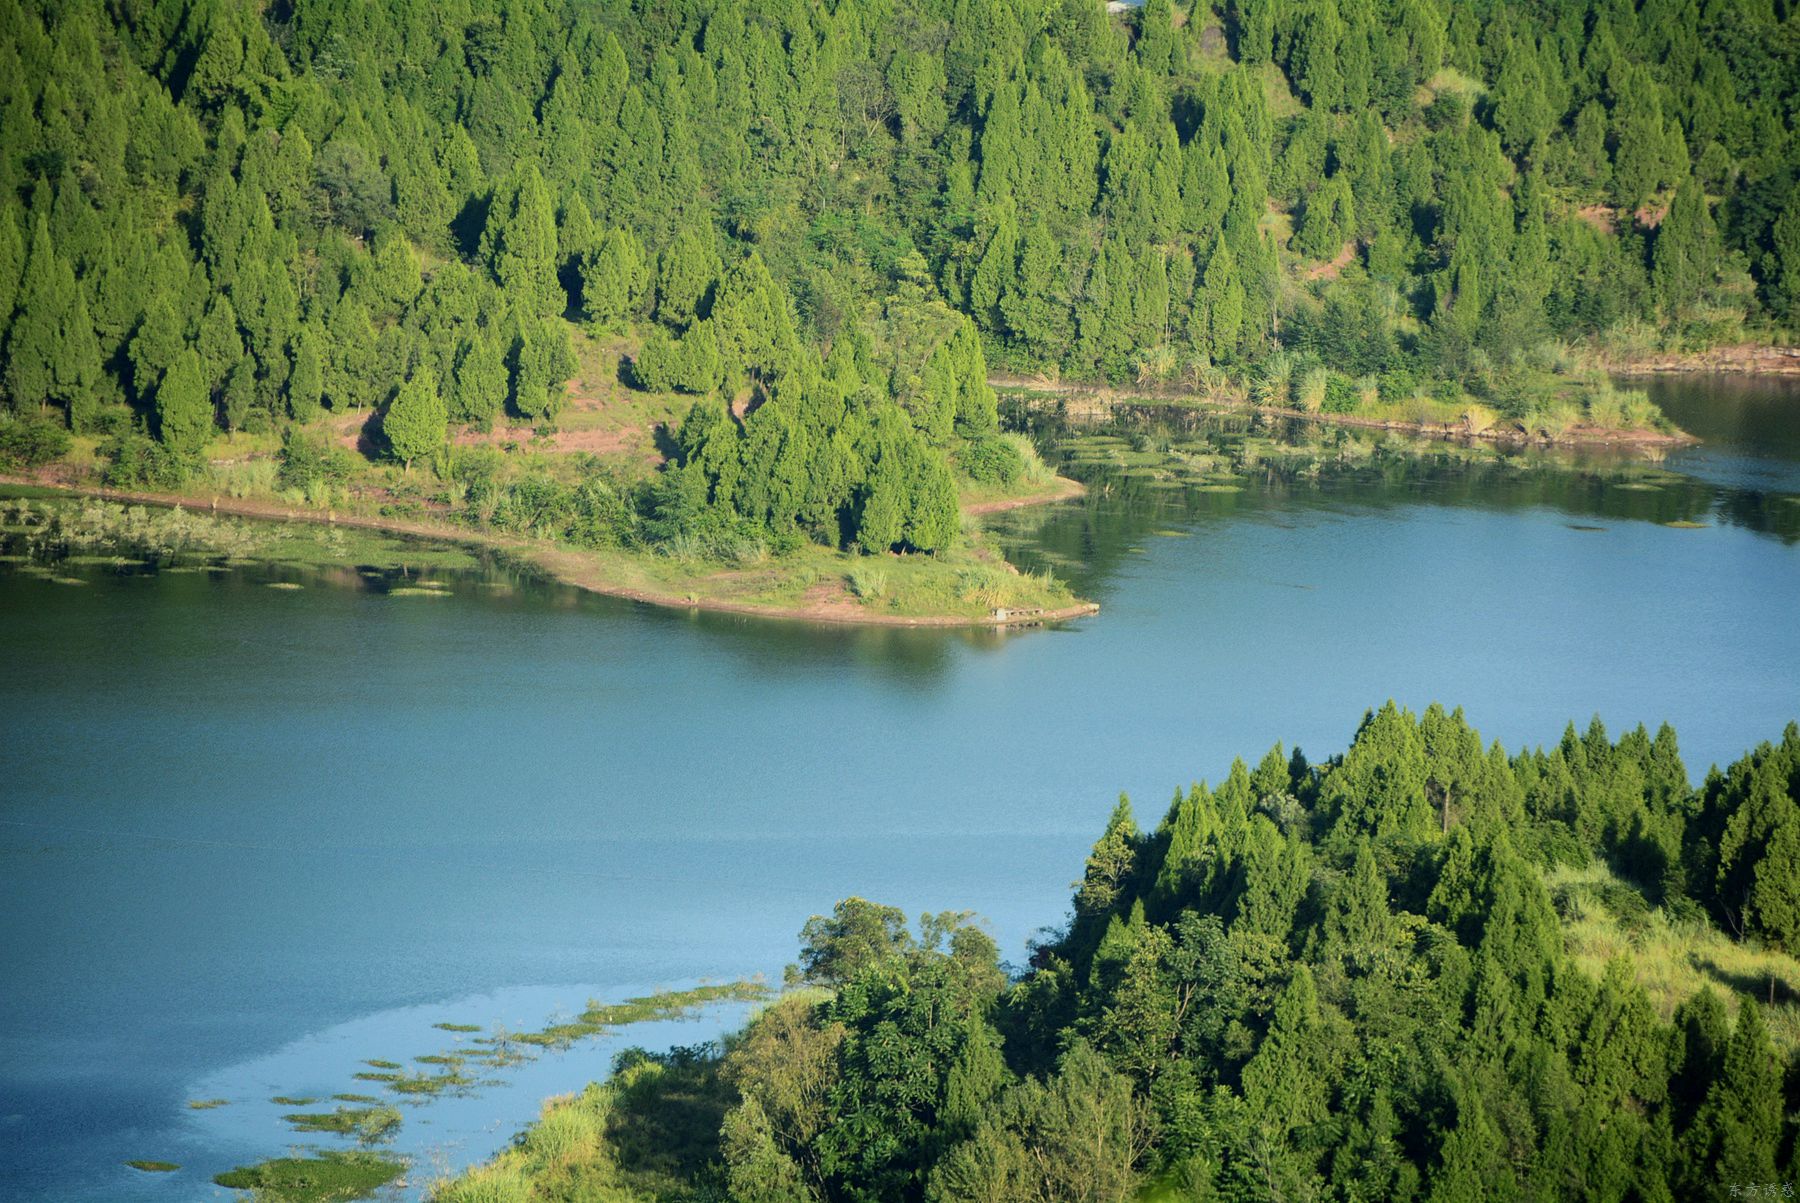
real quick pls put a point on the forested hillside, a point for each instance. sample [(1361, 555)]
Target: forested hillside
[(1352, 980), (219, 216)]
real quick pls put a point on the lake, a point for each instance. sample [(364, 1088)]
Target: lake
[(252, 837)]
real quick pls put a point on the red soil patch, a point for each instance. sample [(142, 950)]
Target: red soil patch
[(1329, 271)]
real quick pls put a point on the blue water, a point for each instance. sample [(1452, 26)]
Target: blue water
[(250, 837)]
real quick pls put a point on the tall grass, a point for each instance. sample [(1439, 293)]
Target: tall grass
[(1035, 470), (1604, 917)]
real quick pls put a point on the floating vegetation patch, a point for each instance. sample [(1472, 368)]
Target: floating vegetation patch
[(1684, 524), (1172, 534), (67, 580), (327, 1177), (1215, 488), (288, 1100), (1638, 486), (350, 1098), (377, 1063), (427, 1084), (367, 1124), (457, 1027), (206, 1104), (284, 585), (415, 591), (1579, 526), (154, 1167)]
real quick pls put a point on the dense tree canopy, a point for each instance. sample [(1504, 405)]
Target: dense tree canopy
[(1118, 196)]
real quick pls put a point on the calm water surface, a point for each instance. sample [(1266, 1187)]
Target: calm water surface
[(250, 837)]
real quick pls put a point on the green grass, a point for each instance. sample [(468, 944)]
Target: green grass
[(1605, 916), (323, 1179), (353, 1098), (206, 1104), (154, 1167), (288, 1100), (457, 1027)]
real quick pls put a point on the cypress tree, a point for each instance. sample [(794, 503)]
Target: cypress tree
[(306, 383), (184, 409), (479, 387), (614, 280), (542, 366), (219, 342), (519, 244), (154, 347), (1224, 308), (415, 422), (1786, 269), (1686, 251), (12, 268), (52, 355), (686, 273)]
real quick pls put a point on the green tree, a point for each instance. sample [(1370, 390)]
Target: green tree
[(52, 356), (686, 273), (519, 244), (1686, 253), (306, 383), (415, 422), (184, 408), (614, 280)]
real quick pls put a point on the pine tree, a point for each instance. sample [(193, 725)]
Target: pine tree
[(415, 422), (479, 386), (52, 355), (306, 383), (519, 244), (1686, 253), (184, 408), (154, 347), (614, 280), (686, 273)]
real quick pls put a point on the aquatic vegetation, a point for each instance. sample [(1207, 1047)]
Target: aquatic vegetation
[(457, 1027), (285, 1100), (154, 1167), (321, 1179), (368, 1124), (206, 1104)]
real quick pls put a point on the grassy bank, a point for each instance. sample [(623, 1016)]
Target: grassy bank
[(962, 587), (1581, 411)]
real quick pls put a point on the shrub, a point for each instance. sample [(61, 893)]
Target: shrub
[(309, 462), (992, 461), (1340, 395), (34, 441), (139, 461)]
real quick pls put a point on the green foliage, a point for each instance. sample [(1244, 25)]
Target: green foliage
[(329, 1176), (32, 442), (184, 409), (1341, 980), (415, 422)]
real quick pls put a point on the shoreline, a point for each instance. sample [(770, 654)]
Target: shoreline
[(1581, 436), (1743, 360), (566, 566)]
